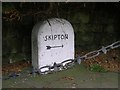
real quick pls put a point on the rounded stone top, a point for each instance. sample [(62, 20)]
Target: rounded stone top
[(49, 24)]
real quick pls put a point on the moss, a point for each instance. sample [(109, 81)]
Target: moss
[(97, 68), (15, 57), (110, 28), (79, 17)]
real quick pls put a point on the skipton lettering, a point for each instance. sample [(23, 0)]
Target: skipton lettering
[(56, 37)]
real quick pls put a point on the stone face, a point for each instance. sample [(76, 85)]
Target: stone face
[(52, 41)]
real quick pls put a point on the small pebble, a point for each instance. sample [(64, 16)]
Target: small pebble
[(91, 79), (73, 87)]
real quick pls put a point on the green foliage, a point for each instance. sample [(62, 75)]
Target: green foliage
[(97, 68)]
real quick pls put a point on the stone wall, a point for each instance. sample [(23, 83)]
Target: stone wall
[(94, 25)]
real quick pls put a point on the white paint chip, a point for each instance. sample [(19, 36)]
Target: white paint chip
[(52, 41)]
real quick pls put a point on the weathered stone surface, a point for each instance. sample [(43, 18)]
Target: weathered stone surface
[(52, 41)]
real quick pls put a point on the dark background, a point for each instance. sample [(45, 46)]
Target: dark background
[(95, 25)]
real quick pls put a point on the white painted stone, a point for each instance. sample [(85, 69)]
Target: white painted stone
[(52, 41)]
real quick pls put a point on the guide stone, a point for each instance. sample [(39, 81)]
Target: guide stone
[(52, 42)]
